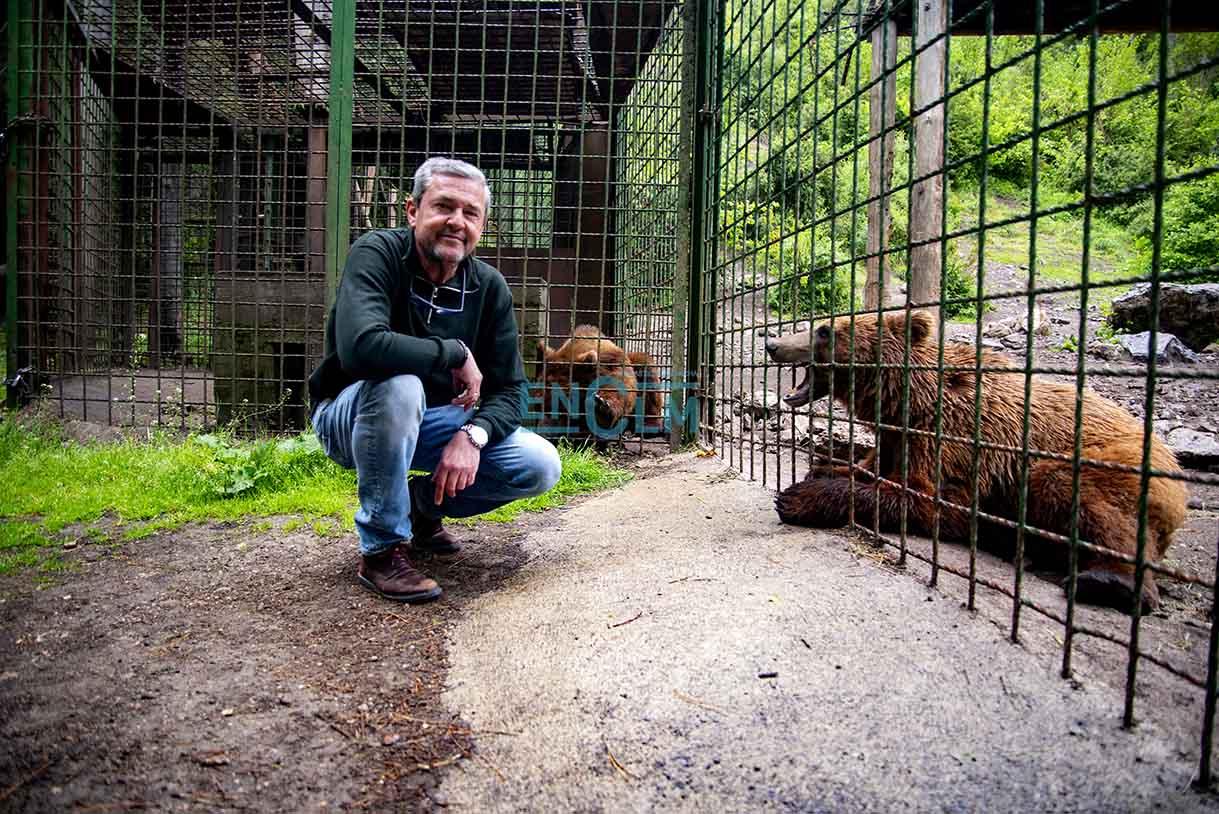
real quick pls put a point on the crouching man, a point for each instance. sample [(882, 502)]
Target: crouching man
[(422, 372)]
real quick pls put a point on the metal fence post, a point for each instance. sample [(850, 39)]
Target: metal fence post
[(338, 159), (19, 72)]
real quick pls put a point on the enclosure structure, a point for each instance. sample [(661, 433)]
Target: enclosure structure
[(188, 177), (694, 178)]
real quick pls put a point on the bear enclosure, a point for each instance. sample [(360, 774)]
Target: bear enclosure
[(701, 181)]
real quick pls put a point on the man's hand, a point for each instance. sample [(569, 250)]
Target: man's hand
[(468, 383), (457, 468)]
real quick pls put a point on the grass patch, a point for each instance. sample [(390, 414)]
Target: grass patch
[(1060, 241), (24, 545), (159, 484)]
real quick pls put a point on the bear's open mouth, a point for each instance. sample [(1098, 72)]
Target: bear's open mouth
[(798, 397)]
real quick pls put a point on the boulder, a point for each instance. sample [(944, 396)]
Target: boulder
[(1106, 350), (1013, 341), (1190, 312), (1001, 328), (761, 404), (819, 437), (1168, 347), (1194, 449)]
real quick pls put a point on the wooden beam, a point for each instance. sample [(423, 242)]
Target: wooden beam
[(315, 205), (926, 207), (882, 113)]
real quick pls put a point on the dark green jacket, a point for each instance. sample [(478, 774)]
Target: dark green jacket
[(375, 330)]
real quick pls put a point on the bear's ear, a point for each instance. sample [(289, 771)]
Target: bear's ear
[(921, 325)]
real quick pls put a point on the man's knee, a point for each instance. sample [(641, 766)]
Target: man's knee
[(542, 468), (398, 400)]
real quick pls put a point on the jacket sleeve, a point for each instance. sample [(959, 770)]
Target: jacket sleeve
[(498, 357), (367, 347)]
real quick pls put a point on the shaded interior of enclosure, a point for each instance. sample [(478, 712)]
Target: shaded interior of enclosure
[(176, 166)]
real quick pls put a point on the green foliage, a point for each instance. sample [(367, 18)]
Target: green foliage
[(1190, 231), (959, 285), (1104, 331), (770, 240), (795, 163), (156, 484), (245, 468), (24, 545)]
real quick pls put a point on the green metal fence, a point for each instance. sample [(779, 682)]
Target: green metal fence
[(189, 177), (1010, 170)]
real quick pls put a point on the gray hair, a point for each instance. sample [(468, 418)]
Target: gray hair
[(447, 166)]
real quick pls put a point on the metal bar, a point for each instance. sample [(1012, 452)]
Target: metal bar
[(1136, 613), (1204, 779), (700, 171), (338, 141), (1030, 313), (18, 68)]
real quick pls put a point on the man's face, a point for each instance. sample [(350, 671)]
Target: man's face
[(449, 220)]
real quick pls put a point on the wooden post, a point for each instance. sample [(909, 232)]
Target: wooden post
[(315, 206), (926, 208), (167, 273), (882, 113)]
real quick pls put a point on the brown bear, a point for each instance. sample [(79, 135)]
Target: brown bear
[(589, 359), (1108, 497)]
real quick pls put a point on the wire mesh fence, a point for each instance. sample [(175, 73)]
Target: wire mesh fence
[(189, 176), (937, 229)]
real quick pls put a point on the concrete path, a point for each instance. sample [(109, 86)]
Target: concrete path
[(672, 647)]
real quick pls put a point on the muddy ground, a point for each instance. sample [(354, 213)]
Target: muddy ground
[(229, 667)]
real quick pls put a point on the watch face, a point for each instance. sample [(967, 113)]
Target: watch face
[(478, 434)]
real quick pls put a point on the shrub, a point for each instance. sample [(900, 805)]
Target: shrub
[(1190, 235)]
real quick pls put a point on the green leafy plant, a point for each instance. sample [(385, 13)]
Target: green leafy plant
[(242, 468)]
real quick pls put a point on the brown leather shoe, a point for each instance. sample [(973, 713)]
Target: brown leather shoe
[(430, 539), (392, 575)]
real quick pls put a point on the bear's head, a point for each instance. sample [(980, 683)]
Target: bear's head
[(587, 362), (840, 342)]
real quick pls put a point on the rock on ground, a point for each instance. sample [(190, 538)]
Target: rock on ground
[(1190, 312), (1168, 347)]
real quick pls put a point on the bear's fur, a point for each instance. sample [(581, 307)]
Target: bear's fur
[(1108, 497), (621, 377)]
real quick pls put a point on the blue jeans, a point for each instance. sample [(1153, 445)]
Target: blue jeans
[(383, 429)]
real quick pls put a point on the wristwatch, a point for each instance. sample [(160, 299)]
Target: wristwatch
[(476, 434)]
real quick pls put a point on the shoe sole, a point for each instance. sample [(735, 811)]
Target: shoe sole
[(417, 598)]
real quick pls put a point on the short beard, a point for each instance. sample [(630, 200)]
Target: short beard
[(434, 254)]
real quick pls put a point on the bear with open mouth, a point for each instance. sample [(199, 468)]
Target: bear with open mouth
[(1111, 451)]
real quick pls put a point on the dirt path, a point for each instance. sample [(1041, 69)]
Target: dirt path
[(675, 648)]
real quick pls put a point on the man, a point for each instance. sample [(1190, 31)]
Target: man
[(422, 372)]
